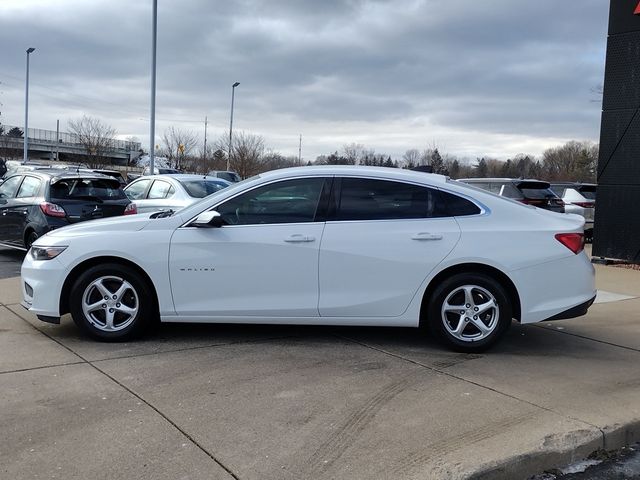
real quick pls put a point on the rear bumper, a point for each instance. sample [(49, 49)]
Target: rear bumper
[(573, 312)]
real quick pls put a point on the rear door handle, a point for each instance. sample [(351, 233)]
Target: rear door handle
[(427, 236), (298, 238)]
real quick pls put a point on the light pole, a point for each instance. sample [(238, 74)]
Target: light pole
[(233, 91), (25, 157), (152, 133)]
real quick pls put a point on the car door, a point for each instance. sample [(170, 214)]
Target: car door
[(381, 241), (22, 205), (8, 192), (262, 263)]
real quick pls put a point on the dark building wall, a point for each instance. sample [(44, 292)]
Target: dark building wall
[(617, 222)]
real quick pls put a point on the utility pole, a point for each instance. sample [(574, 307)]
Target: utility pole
[(57, 140), (300, 151), (204, 153)]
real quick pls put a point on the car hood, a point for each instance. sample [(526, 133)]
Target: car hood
[(129, 223)]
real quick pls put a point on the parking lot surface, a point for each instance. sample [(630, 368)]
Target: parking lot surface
[(264, 402)]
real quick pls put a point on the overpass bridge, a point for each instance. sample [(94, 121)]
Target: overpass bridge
[(52, 145)]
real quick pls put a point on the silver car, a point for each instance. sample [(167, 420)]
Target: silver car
[(171, 192), (579, 198)]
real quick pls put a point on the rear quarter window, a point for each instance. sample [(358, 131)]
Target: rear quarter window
[(456, 206)]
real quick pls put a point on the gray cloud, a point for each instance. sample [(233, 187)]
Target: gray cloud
[(491, 76)]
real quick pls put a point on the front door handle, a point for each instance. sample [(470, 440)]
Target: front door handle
[(298, 238), (427, 236)]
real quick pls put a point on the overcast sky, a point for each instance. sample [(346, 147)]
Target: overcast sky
[(490, 77)]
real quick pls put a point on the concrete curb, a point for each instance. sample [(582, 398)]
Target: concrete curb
[(559, 452)]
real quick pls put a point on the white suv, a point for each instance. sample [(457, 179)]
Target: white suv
[(579, 198)]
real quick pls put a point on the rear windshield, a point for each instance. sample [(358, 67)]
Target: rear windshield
[(87, 188), (201, 188), (538, 193), (229, 176), (588, 191)]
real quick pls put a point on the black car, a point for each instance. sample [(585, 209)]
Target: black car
[(33, 203), (529, 192)]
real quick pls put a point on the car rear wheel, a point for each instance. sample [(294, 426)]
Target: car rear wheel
[(113, 303), (29, 238), (469, 312)]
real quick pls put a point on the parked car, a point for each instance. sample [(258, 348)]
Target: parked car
[(33, 203), (84, 169), (320, 245), (529, 192), (164, 192), (229, 176), (579, 198), (161, 171)]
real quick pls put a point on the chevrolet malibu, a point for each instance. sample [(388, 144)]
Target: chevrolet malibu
[(320, 246)]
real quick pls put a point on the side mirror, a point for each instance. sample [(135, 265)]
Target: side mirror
[(209, 219)]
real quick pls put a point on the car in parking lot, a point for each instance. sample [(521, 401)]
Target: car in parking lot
[(578, 198), (171, 192), (35, 202), (529, 192), (227, 175), (321, 246)]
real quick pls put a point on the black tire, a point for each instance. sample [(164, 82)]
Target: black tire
[(124, 326), (470, 339), (30, 237)]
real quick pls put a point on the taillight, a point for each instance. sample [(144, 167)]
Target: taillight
[(52, 210), (131, 209), (585, 204), (532, 201), (573, 241)]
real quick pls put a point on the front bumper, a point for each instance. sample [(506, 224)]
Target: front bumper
[(41, 282)]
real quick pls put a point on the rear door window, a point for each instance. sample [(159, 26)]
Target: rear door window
[(29, 188), (372, 199), (160, 189)]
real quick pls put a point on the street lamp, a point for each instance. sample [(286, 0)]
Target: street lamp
[(25, 157), (233, 91)]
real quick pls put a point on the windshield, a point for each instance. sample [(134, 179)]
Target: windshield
[(202, 188), (79, 188)]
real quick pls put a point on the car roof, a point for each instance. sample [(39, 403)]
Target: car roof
[(355, 170), (56, 174)]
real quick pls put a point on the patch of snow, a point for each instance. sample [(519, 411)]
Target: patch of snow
[(580, 466), (606, 297)]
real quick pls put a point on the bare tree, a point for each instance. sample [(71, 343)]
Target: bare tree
[(574, 161), (354, 152), (246, 153), (177, 145), (411, 157), (96, 137)]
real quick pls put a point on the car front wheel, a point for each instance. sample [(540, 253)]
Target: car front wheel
[(469, 312), (112, 303)]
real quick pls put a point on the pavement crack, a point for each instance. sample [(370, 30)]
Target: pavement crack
[(564, 332), (188, 436), (19, 370)]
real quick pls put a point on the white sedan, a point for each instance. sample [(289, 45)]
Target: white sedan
[(321, 246), (171, 192)]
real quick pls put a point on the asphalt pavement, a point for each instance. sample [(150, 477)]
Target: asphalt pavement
[(284, 402), (10, 261)]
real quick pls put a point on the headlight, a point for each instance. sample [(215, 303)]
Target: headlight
[(46, 253)]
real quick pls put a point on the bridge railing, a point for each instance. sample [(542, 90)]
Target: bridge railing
[(49, 136)]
